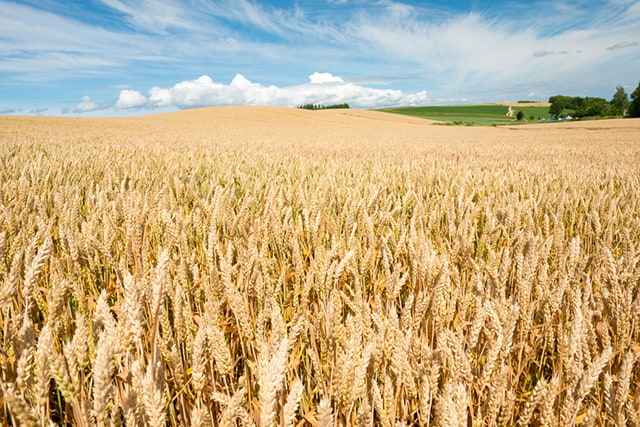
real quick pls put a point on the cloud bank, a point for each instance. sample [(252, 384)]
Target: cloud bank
[(322, 88)]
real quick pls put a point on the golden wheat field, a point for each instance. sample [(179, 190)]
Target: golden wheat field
[(258, 266)]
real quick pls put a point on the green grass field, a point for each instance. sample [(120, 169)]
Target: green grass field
[(483, 114)]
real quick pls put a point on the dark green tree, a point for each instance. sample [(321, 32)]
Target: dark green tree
[(558, 104), (322, 107), (634, 106), (520, 115), (575, 103), (592, 107), (620, 102)]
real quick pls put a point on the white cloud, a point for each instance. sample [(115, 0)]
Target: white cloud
[(129, 99), (323, 88), (321, 78), (86, 105)]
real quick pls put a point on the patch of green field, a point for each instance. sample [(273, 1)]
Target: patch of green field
[(482, 114), (535, 112)]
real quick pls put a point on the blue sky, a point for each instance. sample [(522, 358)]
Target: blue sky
[(129, 57)]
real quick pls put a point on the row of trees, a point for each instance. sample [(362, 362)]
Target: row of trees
[(592, 106), (322, 107)]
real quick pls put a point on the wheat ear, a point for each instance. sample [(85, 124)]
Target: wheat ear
[(293, 400), (271, 383)]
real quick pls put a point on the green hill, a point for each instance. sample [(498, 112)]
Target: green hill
[(481, 114)]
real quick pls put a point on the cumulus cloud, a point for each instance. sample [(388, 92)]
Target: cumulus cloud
[(86, 105), (323, 88), (320, 78), (130, 99), (623, 45)]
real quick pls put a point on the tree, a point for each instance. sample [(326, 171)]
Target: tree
[(634, 106), (520, 115), (322, 107), (575, 102), (558, 104), (561, 102), (593, 107), (620, 102)]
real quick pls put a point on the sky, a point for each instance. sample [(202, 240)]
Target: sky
[(133, 57)]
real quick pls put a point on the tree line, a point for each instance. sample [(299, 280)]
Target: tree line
[(322, 107), (620, 105)]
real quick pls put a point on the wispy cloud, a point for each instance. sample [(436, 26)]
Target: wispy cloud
[(542, 53), (476, 53), (623, 45), (50, 47), (156, 16)]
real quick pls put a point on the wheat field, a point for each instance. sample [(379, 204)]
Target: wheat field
[(262, 266)]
